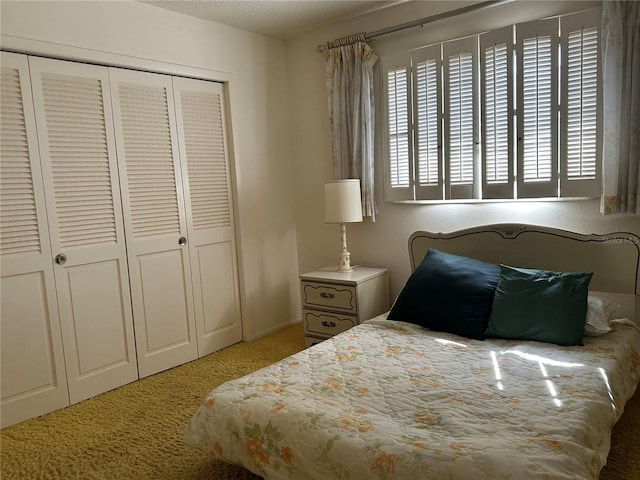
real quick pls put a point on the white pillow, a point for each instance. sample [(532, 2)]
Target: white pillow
[(598, 315)]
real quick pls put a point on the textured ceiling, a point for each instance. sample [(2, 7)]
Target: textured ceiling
[(275, 18)]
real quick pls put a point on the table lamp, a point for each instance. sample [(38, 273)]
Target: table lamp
[(343, 204)]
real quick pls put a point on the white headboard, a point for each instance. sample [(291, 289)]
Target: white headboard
[(614, 258)]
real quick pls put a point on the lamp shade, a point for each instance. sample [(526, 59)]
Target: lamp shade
[(342, 202)]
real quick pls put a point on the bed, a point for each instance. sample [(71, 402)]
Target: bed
[(396, 399)]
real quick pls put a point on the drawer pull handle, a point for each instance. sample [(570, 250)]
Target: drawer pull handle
[(327, 295), (328, 324)]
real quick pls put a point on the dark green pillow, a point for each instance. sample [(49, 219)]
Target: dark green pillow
[(448, 293), (539, 305)]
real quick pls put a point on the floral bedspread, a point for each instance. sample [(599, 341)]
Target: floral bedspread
[(391, 400)]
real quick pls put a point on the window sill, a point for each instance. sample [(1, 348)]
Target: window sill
[(491, 200)]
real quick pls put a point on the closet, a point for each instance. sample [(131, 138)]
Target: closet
[(117, 238)]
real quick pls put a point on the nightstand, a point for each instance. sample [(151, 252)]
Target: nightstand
[(333, 302)]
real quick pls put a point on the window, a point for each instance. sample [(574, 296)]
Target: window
[(508, 114)]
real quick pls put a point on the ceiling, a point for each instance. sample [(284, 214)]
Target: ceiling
[(282, 19)]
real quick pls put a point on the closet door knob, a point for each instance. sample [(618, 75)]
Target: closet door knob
[(182, 241), (61, 259)]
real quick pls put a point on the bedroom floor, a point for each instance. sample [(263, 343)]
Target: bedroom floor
[(135, 431)]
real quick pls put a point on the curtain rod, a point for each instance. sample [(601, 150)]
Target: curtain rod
[(359, 37)]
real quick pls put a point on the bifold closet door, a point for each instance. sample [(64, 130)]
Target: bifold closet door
[(77, 149), (208, 202), (155, 220), (32, 362)]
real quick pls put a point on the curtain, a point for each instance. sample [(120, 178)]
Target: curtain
[(349, 71), (621, 107)]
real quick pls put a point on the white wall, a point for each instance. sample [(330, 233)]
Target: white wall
[(137, 35), (384, 243)]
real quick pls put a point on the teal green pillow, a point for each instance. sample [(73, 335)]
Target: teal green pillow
[(539, 305)]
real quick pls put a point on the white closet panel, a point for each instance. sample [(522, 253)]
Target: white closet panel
[(155, 224), (207, 186), (29, 321), (116, 216), (73, 115)]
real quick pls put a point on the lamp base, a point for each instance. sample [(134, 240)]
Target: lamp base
[(344, 259), (344, 262)]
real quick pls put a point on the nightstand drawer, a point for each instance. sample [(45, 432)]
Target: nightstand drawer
[(322, 295), (323, 323), (311, 341)]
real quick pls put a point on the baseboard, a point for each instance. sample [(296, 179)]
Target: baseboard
[(269, 331)]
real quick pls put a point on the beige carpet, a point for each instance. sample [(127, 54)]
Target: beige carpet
[(135, 432)]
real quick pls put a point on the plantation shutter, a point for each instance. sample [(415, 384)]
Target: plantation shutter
[(537, 50), (397, 120), (427, 116), (581, 136), (496, 56), (461, 117)]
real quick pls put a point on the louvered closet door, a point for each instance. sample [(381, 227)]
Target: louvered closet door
[(32, 362), (208, 202), (73, 115), (156, 230)]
